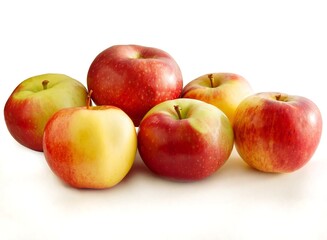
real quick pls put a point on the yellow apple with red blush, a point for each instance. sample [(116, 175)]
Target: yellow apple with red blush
[(223, 90), (90, 147)]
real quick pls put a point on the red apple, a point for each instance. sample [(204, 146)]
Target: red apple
[(276, 132), (134, 78), (185, 139), (35, 100), (223, 90), (90, 147)]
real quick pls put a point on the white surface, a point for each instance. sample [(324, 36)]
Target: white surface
[(276, 45)]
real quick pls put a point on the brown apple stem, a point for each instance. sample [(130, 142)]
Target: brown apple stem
[(178, 110), (281, 97), (88, 101), (278, 96), (210, 76), (45, 84)]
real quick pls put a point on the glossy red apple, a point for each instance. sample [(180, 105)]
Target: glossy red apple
[(134, 78), (185, 139), (276, 132), (35, 100)]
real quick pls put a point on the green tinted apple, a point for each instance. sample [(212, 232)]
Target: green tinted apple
[(35, 100)]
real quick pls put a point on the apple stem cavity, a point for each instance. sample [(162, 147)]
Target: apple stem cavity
[(281, 97), (45, 84), (211, 79), (178, 110), (88, 101)]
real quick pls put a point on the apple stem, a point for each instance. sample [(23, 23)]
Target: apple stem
[(210, 76), (281, 97), (178, 110), (45, 84), (88, 101)]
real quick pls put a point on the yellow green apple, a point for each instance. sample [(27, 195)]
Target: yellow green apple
[(35, 100)]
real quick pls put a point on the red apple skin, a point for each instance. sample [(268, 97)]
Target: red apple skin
[(134, 78), (189, 149), (276, 132)]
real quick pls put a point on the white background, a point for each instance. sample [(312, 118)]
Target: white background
[(276, 45)]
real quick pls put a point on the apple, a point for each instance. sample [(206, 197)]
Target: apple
[(90, 147), (185, 139), (134, 78), (276, 132), (223, 90), (35, 100)]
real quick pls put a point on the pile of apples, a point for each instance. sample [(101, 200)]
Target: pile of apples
[(184, 133)]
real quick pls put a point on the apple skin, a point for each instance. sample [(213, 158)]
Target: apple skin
[(276, 132), (30, 106), (186, 149), (226, 92), (134, 78), (90, 147)]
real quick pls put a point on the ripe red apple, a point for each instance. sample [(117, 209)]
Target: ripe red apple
[(276, 132), (134, 78), (35, 100), (185, 139), (90, 147), (223, 90)]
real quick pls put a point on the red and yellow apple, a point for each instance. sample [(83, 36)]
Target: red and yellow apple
[(185, 139), (35, 100), (276, 132), (134, 78), (90, 147), (223, 90)]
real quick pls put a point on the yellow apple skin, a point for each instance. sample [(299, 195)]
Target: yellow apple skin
[(90, 147), (226, 92)]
